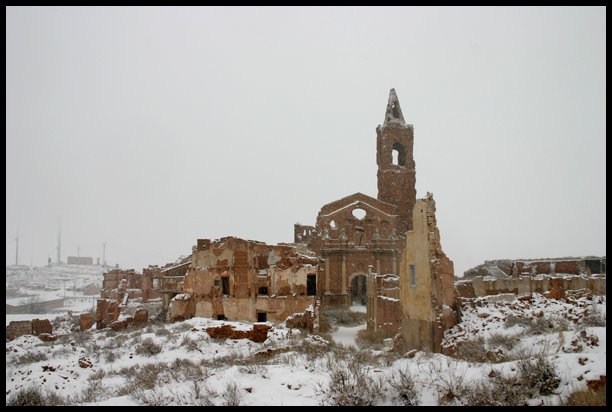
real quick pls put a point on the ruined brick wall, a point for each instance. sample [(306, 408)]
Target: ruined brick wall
[(151, 283), (28, 327), (396, 182), (553, 286), (118, 279), (354, 233), (428, 298), (238, 279), (541, 266), (18, 328), (303, 233), (107, 312), (384, 310), (41, 326)]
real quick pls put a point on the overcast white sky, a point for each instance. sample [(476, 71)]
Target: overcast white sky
[(148, 128)]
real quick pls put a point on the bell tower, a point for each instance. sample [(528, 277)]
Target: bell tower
[(396, 168)]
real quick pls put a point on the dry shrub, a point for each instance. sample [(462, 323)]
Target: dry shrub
[(189, 344), (29, 396), (369, 338), (148, 347), (312, 350), (472, 350), (406, 393), (538, 375), (501, 391), (505, 341), (33, 396), (232, 394), (30, 357), (587, 397), (513, 320), (350, 384), (541, 326)]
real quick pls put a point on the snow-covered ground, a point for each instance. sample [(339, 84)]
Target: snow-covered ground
[(180, 364), (28, 285), (54, 277), (347, 335)]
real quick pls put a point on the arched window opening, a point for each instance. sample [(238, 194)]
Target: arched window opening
[(398, 154), (333, 225)]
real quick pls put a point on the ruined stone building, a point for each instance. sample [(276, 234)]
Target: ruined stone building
[(237, 279), (352, 255), (551, 277), (358, 231), (427, 291)]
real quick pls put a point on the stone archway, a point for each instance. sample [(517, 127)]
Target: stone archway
[(358, 289)]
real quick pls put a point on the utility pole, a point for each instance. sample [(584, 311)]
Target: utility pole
[(78, 251), (59, 243), (17, 248), (104, 253)]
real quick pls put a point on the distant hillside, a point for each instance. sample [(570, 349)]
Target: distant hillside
[(53, 277)]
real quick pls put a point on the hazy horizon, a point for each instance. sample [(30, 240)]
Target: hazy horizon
[(150, 127)]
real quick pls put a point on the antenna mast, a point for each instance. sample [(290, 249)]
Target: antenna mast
[(59, 242), (17, 248)]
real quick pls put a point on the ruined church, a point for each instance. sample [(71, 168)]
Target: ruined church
[(382, 252)]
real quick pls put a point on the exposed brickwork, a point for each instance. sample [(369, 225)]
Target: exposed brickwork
[(350, 244), (41, 326), (384, 310), (590, 265), (259, 333), (396, 182), (107, 311), (553, 286), (141, 317), (34, 327), (18, 328), (238, 279), (86, 321)]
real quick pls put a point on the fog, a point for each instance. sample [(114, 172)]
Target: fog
[(148, 128)]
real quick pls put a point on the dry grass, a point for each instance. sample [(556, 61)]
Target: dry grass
[(148, 347), (587, 397), (369, 339), (472, 350)]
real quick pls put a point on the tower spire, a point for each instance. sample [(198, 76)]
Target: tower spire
[(393, 114)]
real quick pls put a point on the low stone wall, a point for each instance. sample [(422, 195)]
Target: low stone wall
[(552, 286), (259, 333), (28, 327)]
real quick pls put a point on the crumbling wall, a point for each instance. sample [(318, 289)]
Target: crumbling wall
[(259, 333), (18, 328), (553, 286), (107, 312), (307, 320), (427, 291), (384, 310), (34, 327), (303, 233), (118, 282), (542, 266), (151, 283), (239, 279), (352, 234)]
